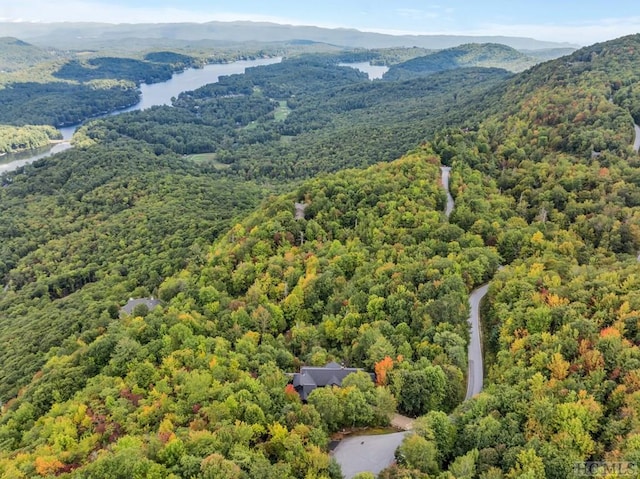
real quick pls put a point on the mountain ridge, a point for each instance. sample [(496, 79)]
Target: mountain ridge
[(94, 33), (16, 54), (494, 55)]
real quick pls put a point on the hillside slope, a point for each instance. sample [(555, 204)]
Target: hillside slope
[(562, 319), (17, 55), (470, 55), (202, 382), (84, 231)]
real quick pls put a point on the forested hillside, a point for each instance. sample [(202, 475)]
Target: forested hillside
[(273, 293), (472, 55), (83, 202), (304, 116), (61, 90), (66, 90), (16, 138), (86, 230), (374, 275), (66, 93), (562, 318), (17, 55)]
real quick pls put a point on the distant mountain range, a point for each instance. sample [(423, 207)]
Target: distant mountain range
[(100, 35)]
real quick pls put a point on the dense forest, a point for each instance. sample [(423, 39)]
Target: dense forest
[(303, 116), (67, 93), (110, 177), (195, 204), (492, 55), (16, 138), (63, 104), (70, 90)]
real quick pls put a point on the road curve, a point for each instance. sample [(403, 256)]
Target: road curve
[(475, 376), (445, 184), (476, 371)]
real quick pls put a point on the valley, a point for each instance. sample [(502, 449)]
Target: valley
[(151, 95)]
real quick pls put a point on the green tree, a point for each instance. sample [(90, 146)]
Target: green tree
[(216, 466), (436, 426), (528, 466), (418, 453), (464, 467), (419, 390), (328, 404)]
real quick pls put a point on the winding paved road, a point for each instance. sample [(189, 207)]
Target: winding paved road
[(374, 453), (445, 184), (476, 369)]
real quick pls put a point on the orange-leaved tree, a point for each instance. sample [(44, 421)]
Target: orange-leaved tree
[(381, 369)]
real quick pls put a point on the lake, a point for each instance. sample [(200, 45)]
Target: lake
[(375, 72), (11, 161), (151, 95)]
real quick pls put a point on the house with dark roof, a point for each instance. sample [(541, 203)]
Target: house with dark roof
[(311, 377), (150, 303)]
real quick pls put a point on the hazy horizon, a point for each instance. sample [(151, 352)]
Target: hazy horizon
[(579, 23)]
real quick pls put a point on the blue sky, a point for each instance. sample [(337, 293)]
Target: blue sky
[(580, 22)]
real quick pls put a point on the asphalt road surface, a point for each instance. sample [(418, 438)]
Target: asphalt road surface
[(476, 375), (367, 453), (445, 184)]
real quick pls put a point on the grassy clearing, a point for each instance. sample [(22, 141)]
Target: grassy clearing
[(209, 158), (282, 111)]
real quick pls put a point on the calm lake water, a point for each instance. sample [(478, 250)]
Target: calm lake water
[(151, 95), (375, 72)]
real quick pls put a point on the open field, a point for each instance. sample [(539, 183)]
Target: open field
[(209, 158)]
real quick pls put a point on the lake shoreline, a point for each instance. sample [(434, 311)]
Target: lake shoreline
[(202, 77), (23, 150)]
